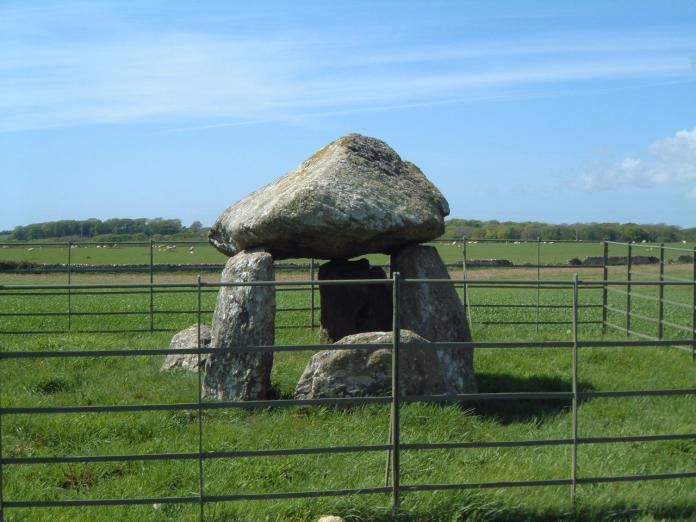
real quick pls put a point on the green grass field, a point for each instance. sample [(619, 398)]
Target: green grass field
[(136, 380), (548, 253)]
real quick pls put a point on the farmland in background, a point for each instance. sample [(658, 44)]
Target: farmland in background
[(451, 252)]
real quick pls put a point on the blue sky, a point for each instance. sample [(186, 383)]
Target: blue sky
[(526, 110)]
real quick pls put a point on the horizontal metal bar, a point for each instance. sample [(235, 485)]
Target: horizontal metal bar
[(109, 293), (484, 444), (531, 305), (194, 499), (78, 313), (645, 274), (73, 332), (194, 350), (138, 352), (591, 283), (678, 326), (635, 294), (632, 314), (301, 494), (193, 455), (653, 342), (637, 478), (194, 286), (14, 504), (636, 393), (587, 283), (496, 285), (673, 278), (341, 449), (623, 329), (529, 241), (541, 323), (281, 403), (678, 304), (486, 485), (72, 313), (551, 482), (636, 438), (498, 396), (652, 245)]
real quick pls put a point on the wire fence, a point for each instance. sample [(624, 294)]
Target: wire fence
[(394, 448)]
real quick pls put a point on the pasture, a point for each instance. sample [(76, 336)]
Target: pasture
[(547, 252), (136, 380)]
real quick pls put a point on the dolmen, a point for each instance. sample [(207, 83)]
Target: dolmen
[(353, 197)]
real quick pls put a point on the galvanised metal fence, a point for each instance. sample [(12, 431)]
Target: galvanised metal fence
[(69, 268), (395, 448), (664, 305), (151, 268)]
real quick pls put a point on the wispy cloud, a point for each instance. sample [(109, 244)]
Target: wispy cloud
[(208, 79), (667, 162)]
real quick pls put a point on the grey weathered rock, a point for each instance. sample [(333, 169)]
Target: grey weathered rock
[(244, 316), (361, 372), (187, 339), (331, 518), (435, 312), (620, 260), (352, 309), (352, 197)]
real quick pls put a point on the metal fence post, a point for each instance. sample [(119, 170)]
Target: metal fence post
[(395, 413), (538, 304), (2, 470), (200, 402), (605, 274), (311, 278), (152, 295), (69, 289), (574, 451), (629, 268), (465, 290), (693, 310), (661, 294)]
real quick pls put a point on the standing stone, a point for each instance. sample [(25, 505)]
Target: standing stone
[(347, 310), (359, 372), (187, 339), (352, 197), (244, 316), (435, 312)]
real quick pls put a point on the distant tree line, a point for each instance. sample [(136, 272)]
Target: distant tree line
[(531, 230), (123, 229), (116, 228)]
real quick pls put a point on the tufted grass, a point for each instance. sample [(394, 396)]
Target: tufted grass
[(136, 380)]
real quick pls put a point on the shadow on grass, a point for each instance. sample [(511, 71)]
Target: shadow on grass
[(516, 410), (507, 411), (477, 510)]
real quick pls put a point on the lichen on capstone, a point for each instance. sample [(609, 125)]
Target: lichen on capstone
[(352, 197)]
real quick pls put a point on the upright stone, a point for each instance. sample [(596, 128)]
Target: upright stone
[(435, 312), (244, 316), (347, 310)]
